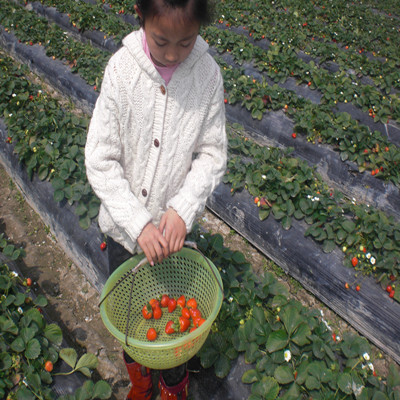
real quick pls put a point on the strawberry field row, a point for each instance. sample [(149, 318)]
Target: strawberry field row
[(309, 124), (363, 150), (236, 81)]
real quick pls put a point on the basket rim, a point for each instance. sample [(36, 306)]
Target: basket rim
[(174, 342)]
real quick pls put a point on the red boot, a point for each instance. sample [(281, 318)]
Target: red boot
[(140, 376), (177, 392)]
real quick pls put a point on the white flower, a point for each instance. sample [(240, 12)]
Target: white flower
[(287, 355), (14, 274), (368, 255), (10, 115), (20, 310), (366, 356), (230, 299), (372, 260), (264, 176), (338, 338), (371, 366), (13, 95)]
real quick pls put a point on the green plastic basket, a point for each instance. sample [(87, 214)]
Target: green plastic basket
[(128, 289)]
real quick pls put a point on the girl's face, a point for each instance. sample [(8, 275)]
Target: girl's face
[(170, 37)]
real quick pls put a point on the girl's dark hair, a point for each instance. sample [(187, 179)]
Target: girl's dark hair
[(200, 10)]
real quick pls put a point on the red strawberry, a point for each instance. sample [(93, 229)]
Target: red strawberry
[(389, 288), (151, 334), (164, 300), (171, 305), (103, 246), (157, 312), (185, 312), (181, 301), (184, 324), (391, 294), (147, 311), (354, 261), (195, 313), (170, 328), (191, 303), (154, 303)]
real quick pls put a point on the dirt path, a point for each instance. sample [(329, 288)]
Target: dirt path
[(73, 301)]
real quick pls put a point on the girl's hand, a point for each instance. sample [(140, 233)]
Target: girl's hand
[(153, 244), (174, 229)]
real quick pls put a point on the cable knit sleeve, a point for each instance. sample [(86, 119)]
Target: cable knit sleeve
[(102, 158), (209, 164)]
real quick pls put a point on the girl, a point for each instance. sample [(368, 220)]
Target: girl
[(156, 145)]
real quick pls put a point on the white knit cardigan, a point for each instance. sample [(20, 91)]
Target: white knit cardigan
[(151, 146)]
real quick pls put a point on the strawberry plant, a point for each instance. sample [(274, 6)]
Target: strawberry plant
[(292, 350), (48, 139), (30, 346), (289, 188)]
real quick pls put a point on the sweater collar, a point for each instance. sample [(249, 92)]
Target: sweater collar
[(133, 42)]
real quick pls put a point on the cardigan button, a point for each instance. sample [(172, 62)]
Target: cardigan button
[(144, 192), (162, 88), (156, 142)]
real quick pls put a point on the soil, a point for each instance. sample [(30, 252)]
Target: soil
[(73, 301)]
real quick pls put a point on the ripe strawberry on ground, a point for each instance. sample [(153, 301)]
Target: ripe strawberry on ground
[(389, 288), (103, 246), (391, 294), (151, 334)]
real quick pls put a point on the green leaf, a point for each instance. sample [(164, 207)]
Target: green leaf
[(88, 360), (18, 345), (393, 378), (208, 357), (32, 349), (312, 383), (40, 301), (328, 246), (5, 361), (53, 333), (300, 336), (267, 388), (222, 366), (28, 333), (250, 376), (291, 318), (284, 374), (102, 390), (345, 383), (349, 226), (277, 340), (70, 356)]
